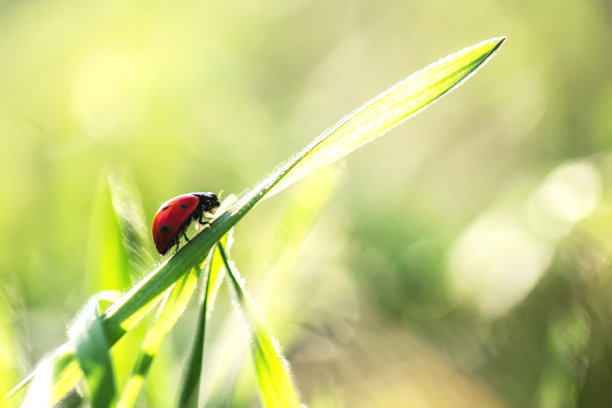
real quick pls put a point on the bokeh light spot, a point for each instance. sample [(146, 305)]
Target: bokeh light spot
[(110, 96), (496, 262), (570, 193)]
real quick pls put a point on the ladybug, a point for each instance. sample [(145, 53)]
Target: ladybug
[(175, 215)]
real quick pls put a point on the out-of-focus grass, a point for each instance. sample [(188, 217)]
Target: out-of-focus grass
[(187, 94)]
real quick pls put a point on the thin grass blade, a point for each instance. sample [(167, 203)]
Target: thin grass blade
[(190, 387), (117, 237), (272, 369), (117, 251), (129, 214), (107, 259), (275, 277), (170, 310)]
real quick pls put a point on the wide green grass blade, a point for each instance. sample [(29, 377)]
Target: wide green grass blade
[(275, 382), (190, 387), (93, 352), (389, 109), (170, 310), (367, 123)]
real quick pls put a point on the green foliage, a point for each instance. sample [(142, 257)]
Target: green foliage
[(182, 270), (170, 310), (191, 380), (275, 383)]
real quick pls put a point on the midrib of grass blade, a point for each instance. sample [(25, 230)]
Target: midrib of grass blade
[(125, 313), (189, 393), (171, 308), (275, 382)]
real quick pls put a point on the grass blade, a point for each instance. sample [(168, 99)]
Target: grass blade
[(388, 110), (369, 122), (107, 259), (117, 251), (130, 217), (275, 383), (191, 379), (40, 392), (93, 352), (171, 308), (117, 234), (275, 276)]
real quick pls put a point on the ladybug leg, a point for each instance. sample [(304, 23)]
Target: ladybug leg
[(185, 235), (202, 221), (175, 242)]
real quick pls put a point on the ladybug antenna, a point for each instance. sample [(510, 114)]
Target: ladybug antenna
[(220, 192)]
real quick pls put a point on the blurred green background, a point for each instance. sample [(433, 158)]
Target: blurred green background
[(462, 260)]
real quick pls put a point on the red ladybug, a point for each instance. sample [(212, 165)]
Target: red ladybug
[(174, 216)]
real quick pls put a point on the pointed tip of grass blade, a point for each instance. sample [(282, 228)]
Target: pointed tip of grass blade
[(500, 41)]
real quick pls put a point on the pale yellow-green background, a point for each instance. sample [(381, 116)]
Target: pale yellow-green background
[(462, 260)]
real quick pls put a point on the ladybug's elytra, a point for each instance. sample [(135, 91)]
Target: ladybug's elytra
[(175, 215)]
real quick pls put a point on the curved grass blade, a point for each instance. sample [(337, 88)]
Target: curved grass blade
[(367, 123), (92, 351), (107, 259), (171, 308), (117, 251), (389, 109), (191, 379), (275, 275), (129, 214), (275, 382), (65, 374)]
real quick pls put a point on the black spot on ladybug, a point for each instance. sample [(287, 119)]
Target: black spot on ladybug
[(164, 228), (165, 207), (184, 206)]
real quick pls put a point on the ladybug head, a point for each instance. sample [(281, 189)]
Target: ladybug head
[(209, 202)]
